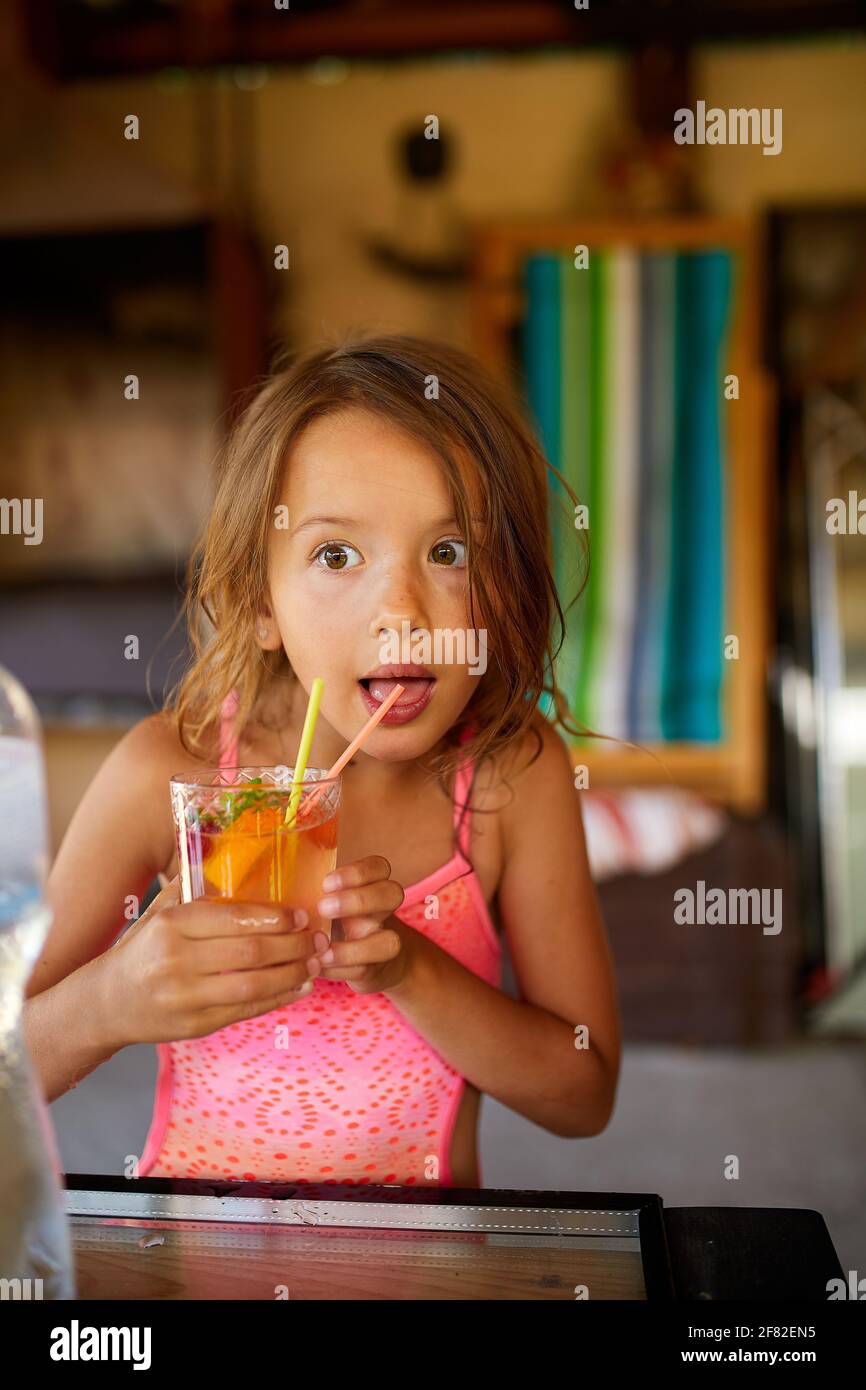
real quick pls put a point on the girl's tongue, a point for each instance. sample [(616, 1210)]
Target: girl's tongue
[(414, 687)]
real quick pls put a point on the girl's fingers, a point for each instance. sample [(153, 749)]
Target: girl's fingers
[(356, 928), (362, 871), (168, 896), (374, 949), (246, 989), (251, 951), (382, 897), (259, 1008), (220, 917), (351, 972)]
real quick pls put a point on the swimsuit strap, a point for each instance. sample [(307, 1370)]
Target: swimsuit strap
[(228, 736), (462, 821)]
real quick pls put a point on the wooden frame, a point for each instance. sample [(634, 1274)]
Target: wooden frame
[(732, 771)]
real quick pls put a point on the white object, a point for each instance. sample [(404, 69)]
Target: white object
[(35, 1253), (646, 832)]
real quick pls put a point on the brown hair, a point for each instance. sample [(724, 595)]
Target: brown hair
[(497, 476)]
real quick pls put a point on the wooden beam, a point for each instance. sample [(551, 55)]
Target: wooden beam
[(77, 46)]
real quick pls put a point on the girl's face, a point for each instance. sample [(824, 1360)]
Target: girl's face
[(366, 543)]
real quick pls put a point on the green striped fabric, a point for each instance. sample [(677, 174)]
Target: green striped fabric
[(624, 363)]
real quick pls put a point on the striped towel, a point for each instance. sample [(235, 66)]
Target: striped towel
[(624, 366)]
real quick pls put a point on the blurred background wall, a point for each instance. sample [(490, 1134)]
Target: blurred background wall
[(158, 255), (530, 129)]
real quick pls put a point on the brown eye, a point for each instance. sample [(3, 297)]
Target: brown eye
[(335, 556), (452, 554)]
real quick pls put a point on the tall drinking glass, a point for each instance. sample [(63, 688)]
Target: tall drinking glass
[(237, 838)]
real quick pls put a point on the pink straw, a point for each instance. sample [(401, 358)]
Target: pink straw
[(366, 731), (356, 743)]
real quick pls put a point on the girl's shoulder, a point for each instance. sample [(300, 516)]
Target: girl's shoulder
[(136, 778), (537, 765), (540, 742), (152, 748)]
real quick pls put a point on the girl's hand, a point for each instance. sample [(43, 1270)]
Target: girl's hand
[(372, 957), (184, 970)]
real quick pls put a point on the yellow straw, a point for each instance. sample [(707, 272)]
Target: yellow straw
[(304, 749), (356, 743)]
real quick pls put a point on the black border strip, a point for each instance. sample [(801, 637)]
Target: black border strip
[(658, 1275)]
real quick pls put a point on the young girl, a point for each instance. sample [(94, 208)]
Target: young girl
[(355, 501)]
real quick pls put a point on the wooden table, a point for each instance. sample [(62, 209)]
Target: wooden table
[(164, 1239), (185, 1239)]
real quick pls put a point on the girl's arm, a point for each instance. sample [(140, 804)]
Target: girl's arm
[(523, 1051), (118, 840), (70, 1030), (183, 970)]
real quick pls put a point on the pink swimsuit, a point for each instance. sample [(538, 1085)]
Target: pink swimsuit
[(337, 1087)]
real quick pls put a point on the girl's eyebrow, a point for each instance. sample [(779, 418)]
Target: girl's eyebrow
[(322, 521), (311, 521)]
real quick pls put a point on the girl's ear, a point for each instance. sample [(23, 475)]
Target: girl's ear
[(266, 630)]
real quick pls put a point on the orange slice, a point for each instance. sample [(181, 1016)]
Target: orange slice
[(237, 850)]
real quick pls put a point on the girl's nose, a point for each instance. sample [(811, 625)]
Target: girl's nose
[(398, 602), (398, 621)]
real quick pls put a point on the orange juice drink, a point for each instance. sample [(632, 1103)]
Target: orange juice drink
[(234, 840)]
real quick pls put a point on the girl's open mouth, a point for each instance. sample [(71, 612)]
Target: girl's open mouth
[(417, 692)]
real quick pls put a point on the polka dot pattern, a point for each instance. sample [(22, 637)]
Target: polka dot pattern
[(337, 1087)]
